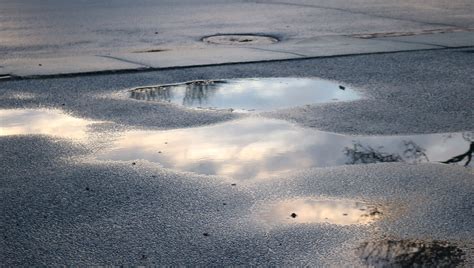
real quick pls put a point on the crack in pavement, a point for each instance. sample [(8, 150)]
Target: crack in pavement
[(411, 42), (279, 51), (124, 60)]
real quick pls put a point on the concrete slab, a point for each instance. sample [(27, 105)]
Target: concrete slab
[(65, 65), (32, 31), (342, 45), (207, 55)]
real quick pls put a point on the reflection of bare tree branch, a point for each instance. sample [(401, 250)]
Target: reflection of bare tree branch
[(161, 93), (195, 91), (367, 155), (198, 92), (461, 157), (414, 152), (360, 154)]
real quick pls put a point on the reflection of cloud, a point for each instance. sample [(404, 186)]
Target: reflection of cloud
[(242, 149), (42, 121), (259, 148), (307, 210)]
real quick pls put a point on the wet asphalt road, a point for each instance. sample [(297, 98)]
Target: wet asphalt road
[(62, 206)]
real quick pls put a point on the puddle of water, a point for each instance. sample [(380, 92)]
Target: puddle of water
[(410, 253), (258, 148), (260, 94), (309, 210), (42, 121)]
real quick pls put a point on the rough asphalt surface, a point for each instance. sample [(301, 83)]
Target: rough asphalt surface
[(59, 206)]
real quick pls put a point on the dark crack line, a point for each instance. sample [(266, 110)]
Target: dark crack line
[(279, 51), (410, 42), (124, 60), (355, 12)]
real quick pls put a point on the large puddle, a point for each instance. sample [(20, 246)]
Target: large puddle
[(253, 148), (310, 210), (252, 94), (259, 148)]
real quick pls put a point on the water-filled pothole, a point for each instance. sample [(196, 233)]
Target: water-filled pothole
[(410, 253), (257, 148), (260, 94), (312, 210), (240, 39)]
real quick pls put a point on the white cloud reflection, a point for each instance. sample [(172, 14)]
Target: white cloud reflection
[(42, 121), (310, 210), (258, 148)]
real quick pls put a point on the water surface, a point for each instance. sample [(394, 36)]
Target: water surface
[(251, 94), (257, 148), (252, 148), (313, 210), (50, 122)]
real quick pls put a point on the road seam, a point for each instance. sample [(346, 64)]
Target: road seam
[(124, 60), (410, 42), (279, 51)]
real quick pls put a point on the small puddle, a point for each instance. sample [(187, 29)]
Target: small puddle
[(251, 94), (43, 122), (410, 253), (257, 148), (309, 210)]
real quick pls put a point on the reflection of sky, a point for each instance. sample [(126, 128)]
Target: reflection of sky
[(307, 210), (261, 94), (42, 121), (257, 148)]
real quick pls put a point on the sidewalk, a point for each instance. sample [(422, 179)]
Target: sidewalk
[(210, 54)]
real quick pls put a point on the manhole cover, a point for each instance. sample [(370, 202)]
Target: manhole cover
[(240, 39)]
